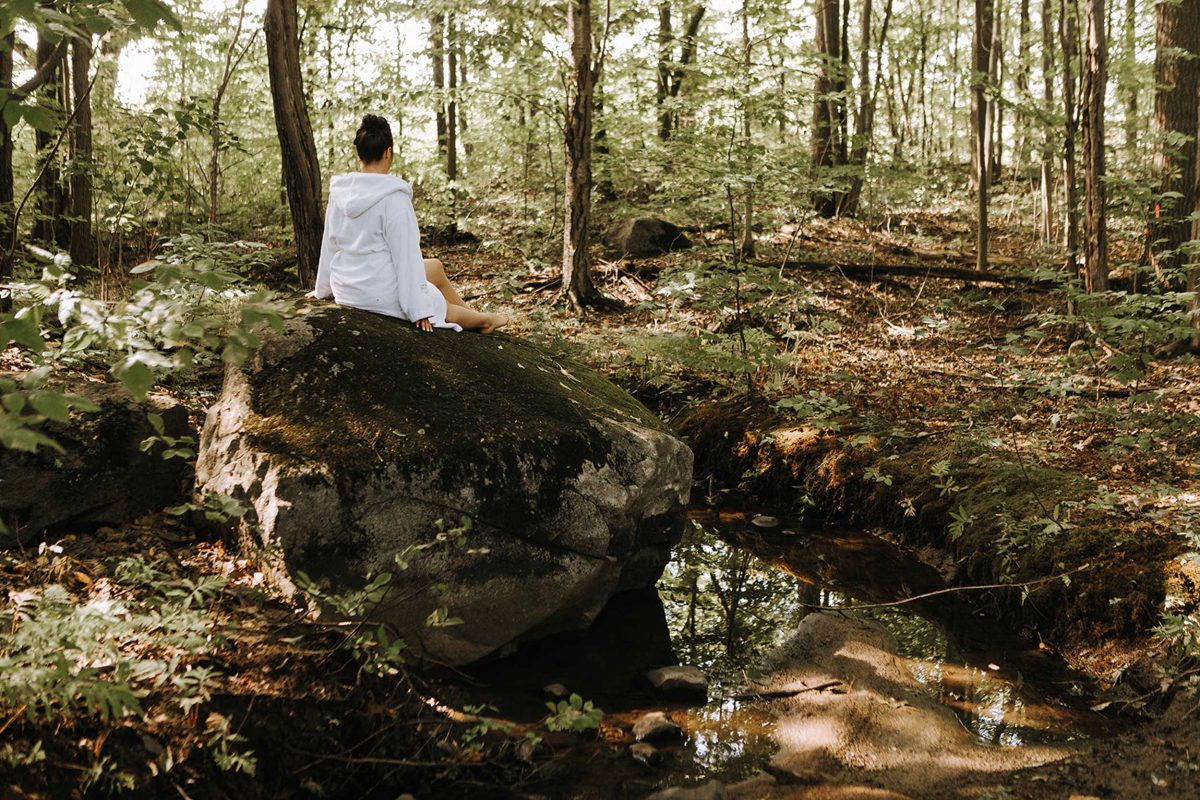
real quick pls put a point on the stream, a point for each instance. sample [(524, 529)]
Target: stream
[(736, 588)]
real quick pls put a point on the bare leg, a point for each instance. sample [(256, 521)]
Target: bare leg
[(435, 273), (474, 320)]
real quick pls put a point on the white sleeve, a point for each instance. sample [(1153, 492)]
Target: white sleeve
[(403, 239), (324, 288)]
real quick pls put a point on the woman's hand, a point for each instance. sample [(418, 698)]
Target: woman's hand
[(425, 325)]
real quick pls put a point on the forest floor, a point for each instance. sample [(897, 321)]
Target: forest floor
[(1002, 440)]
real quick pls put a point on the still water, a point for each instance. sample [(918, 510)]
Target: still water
[(734, 590)]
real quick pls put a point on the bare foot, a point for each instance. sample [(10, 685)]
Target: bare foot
[(494, 322)]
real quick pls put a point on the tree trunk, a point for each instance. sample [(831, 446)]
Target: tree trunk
[(981, 46), (1019, 157), (83, 243), (746, 247), (452, 103), (1177, 76), (687, 55), (848, 206), (864, 120), (1130, 87), (995, 111), (1095, 83), (663, 85), (50, 226), (577, 262), (1047, 155), (301, 172), (827, 135), (437, 52), (6, 173), (1068, 34)]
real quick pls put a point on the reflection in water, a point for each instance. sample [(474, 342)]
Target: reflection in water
[(727, 608), (726, 740)]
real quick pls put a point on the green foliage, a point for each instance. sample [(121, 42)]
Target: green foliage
[(816, 408), (573, 714), (64, 657)]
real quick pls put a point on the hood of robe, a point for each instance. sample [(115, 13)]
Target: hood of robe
[(357, 192)]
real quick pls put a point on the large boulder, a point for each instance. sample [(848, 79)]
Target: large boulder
[(103, 476), (354, 438), (644, 237)]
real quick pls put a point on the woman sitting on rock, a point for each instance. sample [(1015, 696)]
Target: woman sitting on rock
[(371, 251)]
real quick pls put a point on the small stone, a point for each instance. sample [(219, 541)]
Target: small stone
[(526, 749), (764, 521), (790, 532), (713, 790), (557, 691), (655, 727), (683, 682), (645, 753)]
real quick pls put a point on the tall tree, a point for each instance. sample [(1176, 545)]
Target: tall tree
[(301, 172), (864, 120), (828, 128), (83, 242), (577, 208), (437, 54), (1047, 149), (746, 246), (672, 70), (6, 169), (1069, 37), (981, 48), (452, 100), (51, 226), (1095, 85), (1177, 78)]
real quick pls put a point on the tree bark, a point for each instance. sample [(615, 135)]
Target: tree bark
[(301, 172), (864, 120), (577, 262), (1095, 83), (1019, 158), (50, 226), (1130, 87), (1068, 35), (83, 242), (827, 136), (981, 46), (6, 173), (437, 52), (663, 85), (746, 247), (1047, 155), (1177, 76), (452, 102)]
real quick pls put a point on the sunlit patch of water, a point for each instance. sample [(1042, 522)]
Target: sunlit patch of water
[(726, 608)]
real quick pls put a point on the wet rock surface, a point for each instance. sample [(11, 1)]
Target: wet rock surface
[(656, 727), (681, 683), (522, 489), (713, 790)]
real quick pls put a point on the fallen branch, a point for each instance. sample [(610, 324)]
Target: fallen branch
[(774, 694), (871, 271)]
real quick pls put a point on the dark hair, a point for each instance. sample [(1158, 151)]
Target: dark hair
[(373, 138)]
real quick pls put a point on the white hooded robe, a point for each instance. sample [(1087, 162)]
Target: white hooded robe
[(371, 251)]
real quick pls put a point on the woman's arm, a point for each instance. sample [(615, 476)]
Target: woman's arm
[(324, 288), (403, 238)]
